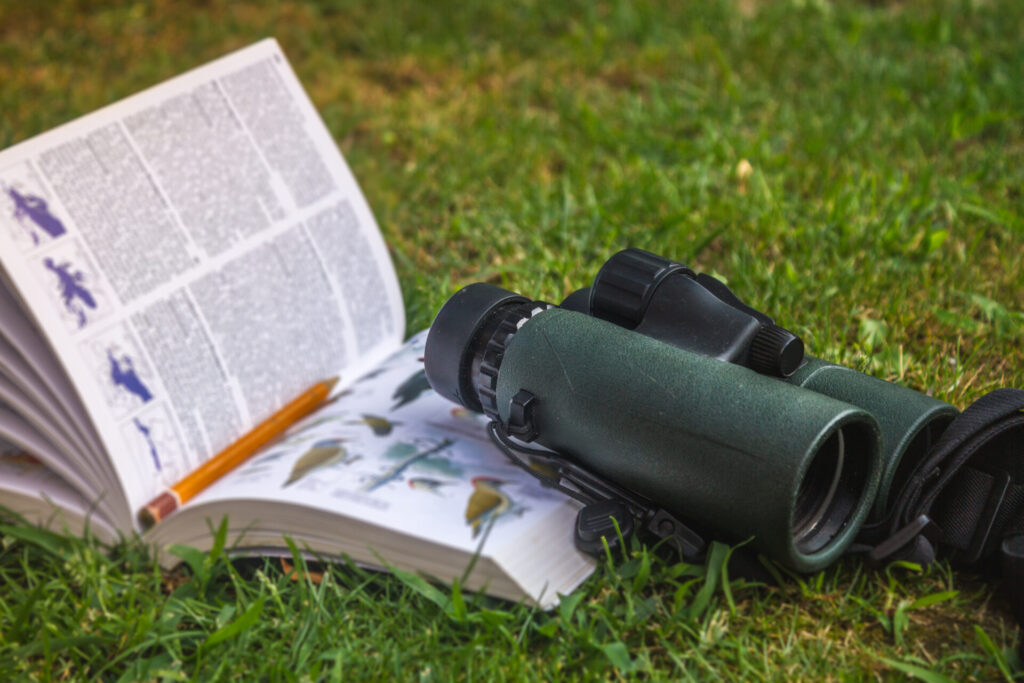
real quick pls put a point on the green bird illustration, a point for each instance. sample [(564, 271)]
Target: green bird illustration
[(487, 503), (409, 390), (427, 484), (381, 426), (323, 454)]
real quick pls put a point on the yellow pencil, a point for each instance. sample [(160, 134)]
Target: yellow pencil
[(235, 454)]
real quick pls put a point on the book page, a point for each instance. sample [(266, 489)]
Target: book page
[(22, 439), (196, 255), (20, 389), (33, 492), (392, 452), (22, 337)]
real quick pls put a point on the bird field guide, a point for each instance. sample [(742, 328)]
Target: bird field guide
[(176, 267)]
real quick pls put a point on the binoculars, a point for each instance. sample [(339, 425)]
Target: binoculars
[(663, 401)]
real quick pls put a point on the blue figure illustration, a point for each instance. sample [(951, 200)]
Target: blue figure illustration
[(71, 289), (144, 430), (33, 208), (122, 374)]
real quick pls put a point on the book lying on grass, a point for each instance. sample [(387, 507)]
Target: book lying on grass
[(177, 266)]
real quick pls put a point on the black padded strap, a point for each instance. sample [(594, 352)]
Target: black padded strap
[(971, 484), (966, 498), (974, 512), (976, 431)]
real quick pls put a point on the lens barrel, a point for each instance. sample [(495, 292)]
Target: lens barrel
[(665, 300), (740, 454), (911, 422)]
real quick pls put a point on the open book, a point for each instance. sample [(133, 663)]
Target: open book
[(177, 266)]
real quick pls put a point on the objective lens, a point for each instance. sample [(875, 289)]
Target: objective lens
[(830, 489)]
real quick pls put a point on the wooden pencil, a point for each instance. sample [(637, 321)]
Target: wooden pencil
[(235, 454)]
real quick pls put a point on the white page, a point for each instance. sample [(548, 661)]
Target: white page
[(14, 400), (22, 389), (399, 456), (25, 339), (26, 440), (392, 474), (31, 490), (197, 255)]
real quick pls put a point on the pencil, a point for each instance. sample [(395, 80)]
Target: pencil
[(235, 454)]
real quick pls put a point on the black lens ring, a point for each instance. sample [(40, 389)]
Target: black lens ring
[(453, 336), (484, 369)]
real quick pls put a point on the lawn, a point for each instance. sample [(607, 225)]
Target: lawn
[(854, 168)]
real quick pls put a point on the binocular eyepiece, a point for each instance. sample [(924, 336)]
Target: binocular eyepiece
[(666, 300)]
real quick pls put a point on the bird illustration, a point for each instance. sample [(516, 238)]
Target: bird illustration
[(381, 426), (460, 413), (544, 468), (409, 390), (464, 423), (269, 457), (322, 454), (486, 503), (427, 484), (409, 456), (302, 428), (372, 374)]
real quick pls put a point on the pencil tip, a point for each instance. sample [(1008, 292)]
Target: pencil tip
[(331, 383), (147, 520)]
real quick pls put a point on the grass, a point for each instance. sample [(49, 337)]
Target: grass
[(523, 143)]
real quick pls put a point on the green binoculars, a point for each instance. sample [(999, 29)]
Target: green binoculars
[(658, 391)]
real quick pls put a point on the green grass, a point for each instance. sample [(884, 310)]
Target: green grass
[(523, 143)]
